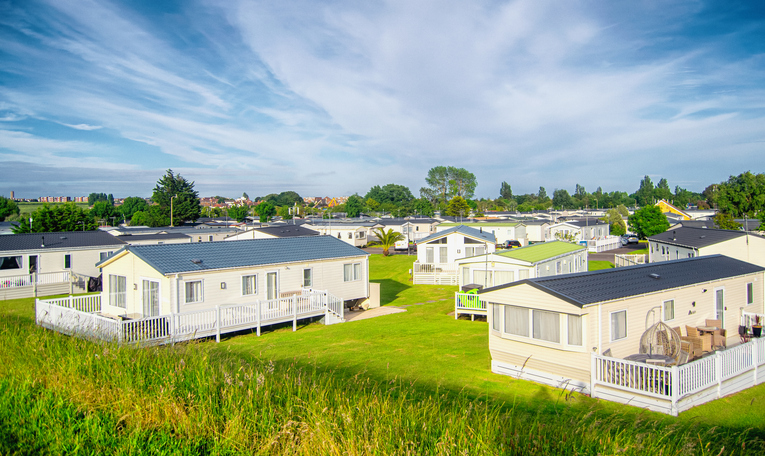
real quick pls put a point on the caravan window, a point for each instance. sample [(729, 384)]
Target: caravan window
[(10, 262)]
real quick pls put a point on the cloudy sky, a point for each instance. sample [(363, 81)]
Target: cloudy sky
[(332, 97)]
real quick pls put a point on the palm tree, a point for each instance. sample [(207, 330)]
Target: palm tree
[(387, 239)]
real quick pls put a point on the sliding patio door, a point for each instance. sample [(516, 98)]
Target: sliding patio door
[(272, 285), (720, 305), (150, 290)]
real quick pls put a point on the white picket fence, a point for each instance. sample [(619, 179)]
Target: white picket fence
[(470, 304), (28, 280), (674, 389), (434, 273), (629, 260), (78, 315)]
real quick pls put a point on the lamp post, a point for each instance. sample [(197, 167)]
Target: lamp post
[(171, 209)]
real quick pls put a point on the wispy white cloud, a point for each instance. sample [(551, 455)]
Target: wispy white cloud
[(298, 93)]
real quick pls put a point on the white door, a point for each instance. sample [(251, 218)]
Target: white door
[(150, 298), (272, 286), (720, 305)]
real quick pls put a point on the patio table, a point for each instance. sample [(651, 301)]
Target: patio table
[(706, 329), (655, 359)]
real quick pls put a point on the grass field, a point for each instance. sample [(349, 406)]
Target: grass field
[(596, 265), (416, 382), (28, 208)]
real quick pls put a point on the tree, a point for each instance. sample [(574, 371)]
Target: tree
[(265, 211), (648, 221), (423, 207), (102, 210), (110, 199), (8, 207), (62, 217), (742, 195), (245, 196), (445, 182), (725, 221), (542, 194), (287, 198), (662, 190), (390, 193), (239, 213), (284, 213), (353, 206), (458, 207), (387, 238), (644, 195), (93, 198), (185, 200), (505, 192), (561, 199), (131, 205), (152, 216), (616, 222)]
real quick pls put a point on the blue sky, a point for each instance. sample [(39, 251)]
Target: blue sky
[(331, 98)]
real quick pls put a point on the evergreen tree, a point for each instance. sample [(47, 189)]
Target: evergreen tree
[(173, 190)]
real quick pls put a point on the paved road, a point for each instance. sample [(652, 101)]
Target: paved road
[(609, 255)]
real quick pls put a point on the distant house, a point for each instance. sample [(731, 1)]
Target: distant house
[(275, 231), (502, 230), (689, 242), (437, 254), (667, 208), (353, 232), (39, 264), (553, 330), (413, 229), (536, 230), (156, 238)]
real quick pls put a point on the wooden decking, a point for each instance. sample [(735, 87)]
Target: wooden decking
[(81, 316)]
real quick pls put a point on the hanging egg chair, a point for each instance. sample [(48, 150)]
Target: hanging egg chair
[(660, 339)]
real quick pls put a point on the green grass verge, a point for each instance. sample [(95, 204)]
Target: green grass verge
[(28, 208), (596, 265), (417, 382)]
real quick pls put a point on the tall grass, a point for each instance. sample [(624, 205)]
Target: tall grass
[(60, 394)]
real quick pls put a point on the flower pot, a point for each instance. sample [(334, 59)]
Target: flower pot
[(757, 330)]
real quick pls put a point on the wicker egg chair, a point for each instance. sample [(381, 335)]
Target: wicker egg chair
[(660, 339)]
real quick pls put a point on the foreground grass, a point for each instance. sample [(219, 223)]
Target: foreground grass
[(596, 265), (417, 382)]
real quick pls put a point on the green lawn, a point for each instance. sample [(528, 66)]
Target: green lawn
[(596, 265), (393, 378), (28, 208)]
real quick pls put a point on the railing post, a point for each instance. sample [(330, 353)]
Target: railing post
[(34, 283), (217, 323), (456, 305), (718, 373), (257, 303), (294, 313), (593, 376), (70, 302), (675, 392), (755, 348)]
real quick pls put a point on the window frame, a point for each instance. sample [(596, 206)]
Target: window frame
[(664, 309), (749, 293), (310, 278), (186, 283), (563, 329), (355, 272), (17, 259), (67, 261), (611, 325), (254, 278), (115, 295)]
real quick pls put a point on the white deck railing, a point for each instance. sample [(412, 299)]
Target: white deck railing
[(28, 280), (629, 260), (434, 273), (603, 244), (468, 303), (79, 315), (677, 388)]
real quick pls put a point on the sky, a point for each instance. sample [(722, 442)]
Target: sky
[(329, 98)]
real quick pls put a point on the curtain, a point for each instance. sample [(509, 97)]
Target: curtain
[(547, 325), (495, 315), (517, 321), (502, 277), (619, 325), (575, 330)]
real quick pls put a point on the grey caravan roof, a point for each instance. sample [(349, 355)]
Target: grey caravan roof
[(591, 287), (686, 236), (201, 256), (57, 240)]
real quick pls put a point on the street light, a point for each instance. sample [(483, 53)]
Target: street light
[(171, 209)]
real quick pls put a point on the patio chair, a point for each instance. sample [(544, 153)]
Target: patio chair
[(685, 352), (719, 337), (706, 339)]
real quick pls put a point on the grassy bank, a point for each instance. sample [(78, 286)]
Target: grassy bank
[(416, 382)]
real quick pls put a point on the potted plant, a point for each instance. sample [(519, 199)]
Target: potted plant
[(757, 327)]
